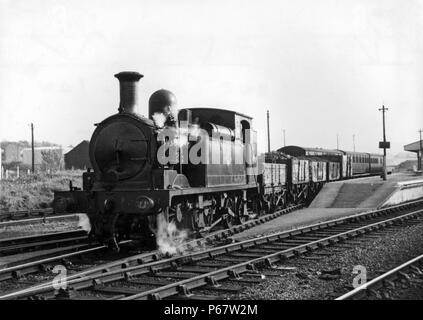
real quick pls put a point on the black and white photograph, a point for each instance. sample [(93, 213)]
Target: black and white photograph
[(217, 158)]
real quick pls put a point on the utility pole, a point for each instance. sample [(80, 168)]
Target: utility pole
[(384, 144), (284, 142), (354, 142), (419, 165), (268, 132), (32, 148)]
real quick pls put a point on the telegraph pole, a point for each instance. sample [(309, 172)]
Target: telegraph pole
[(284, 143), (419, 165), (268, 132), (384, 144), (32, 148)]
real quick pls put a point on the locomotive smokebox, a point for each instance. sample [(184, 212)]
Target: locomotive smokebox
[(128, 81), (162, 102)]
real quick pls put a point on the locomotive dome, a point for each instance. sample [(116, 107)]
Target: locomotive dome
[(159, 100)]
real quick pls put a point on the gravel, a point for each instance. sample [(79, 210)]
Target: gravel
[(39, 226), (327, 277)]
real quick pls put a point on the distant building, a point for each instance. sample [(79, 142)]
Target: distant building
[(12, 153), (417, 148), (44, 157), (78, 157)]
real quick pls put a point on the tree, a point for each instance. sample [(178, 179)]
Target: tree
[(51, 159)]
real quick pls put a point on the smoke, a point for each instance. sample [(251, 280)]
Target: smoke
[(168, 237), (170, 115), (159, 119), (173, 113), (84, 222)]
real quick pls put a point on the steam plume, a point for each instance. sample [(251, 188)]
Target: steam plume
[(168, 237), (159, 119)]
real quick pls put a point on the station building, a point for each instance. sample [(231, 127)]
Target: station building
[(78, 157), (417, 148)]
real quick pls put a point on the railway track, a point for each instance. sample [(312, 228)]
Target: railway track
[(410, 272), (25, 214), (39, 242), (17, 271), (193, 275), (25, 268)]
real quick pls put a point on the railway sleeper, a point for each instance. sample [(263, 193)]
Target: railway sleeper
[(231, 289), (185, 275), (115, 290), (194, 269), (213, 265), (194, 296), (250, 255), (150, 282)]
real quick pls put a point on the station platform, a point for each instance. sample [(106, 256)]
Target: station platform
[(341, 199), (369, 192)]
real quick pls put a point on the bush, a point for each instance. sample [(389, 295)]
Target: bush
[(35, 191)]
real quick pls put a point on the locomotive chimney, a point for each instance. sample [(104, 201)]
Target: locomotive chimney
[(128, 81)]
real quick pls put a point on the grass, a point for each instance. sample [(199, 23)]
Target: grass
[(35, 191)]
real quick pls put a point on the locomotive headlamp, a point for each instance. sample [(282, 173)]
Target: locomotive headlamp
[(144, 203)]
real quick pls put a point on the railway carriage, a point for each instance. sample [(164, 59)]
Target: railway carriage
[(376, 163), (328, 155), (333, 171), (360, 162), (272, 177), (318, 174), (349, 164)]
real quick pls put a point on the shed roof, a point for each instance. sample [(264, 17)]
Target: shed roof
[(413, 147)]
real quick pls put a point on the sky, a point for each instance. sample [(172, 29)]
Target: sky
[(321, 67)]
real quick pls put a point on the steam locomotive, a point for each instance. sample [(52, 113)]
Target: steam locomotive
[(195, 167)]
